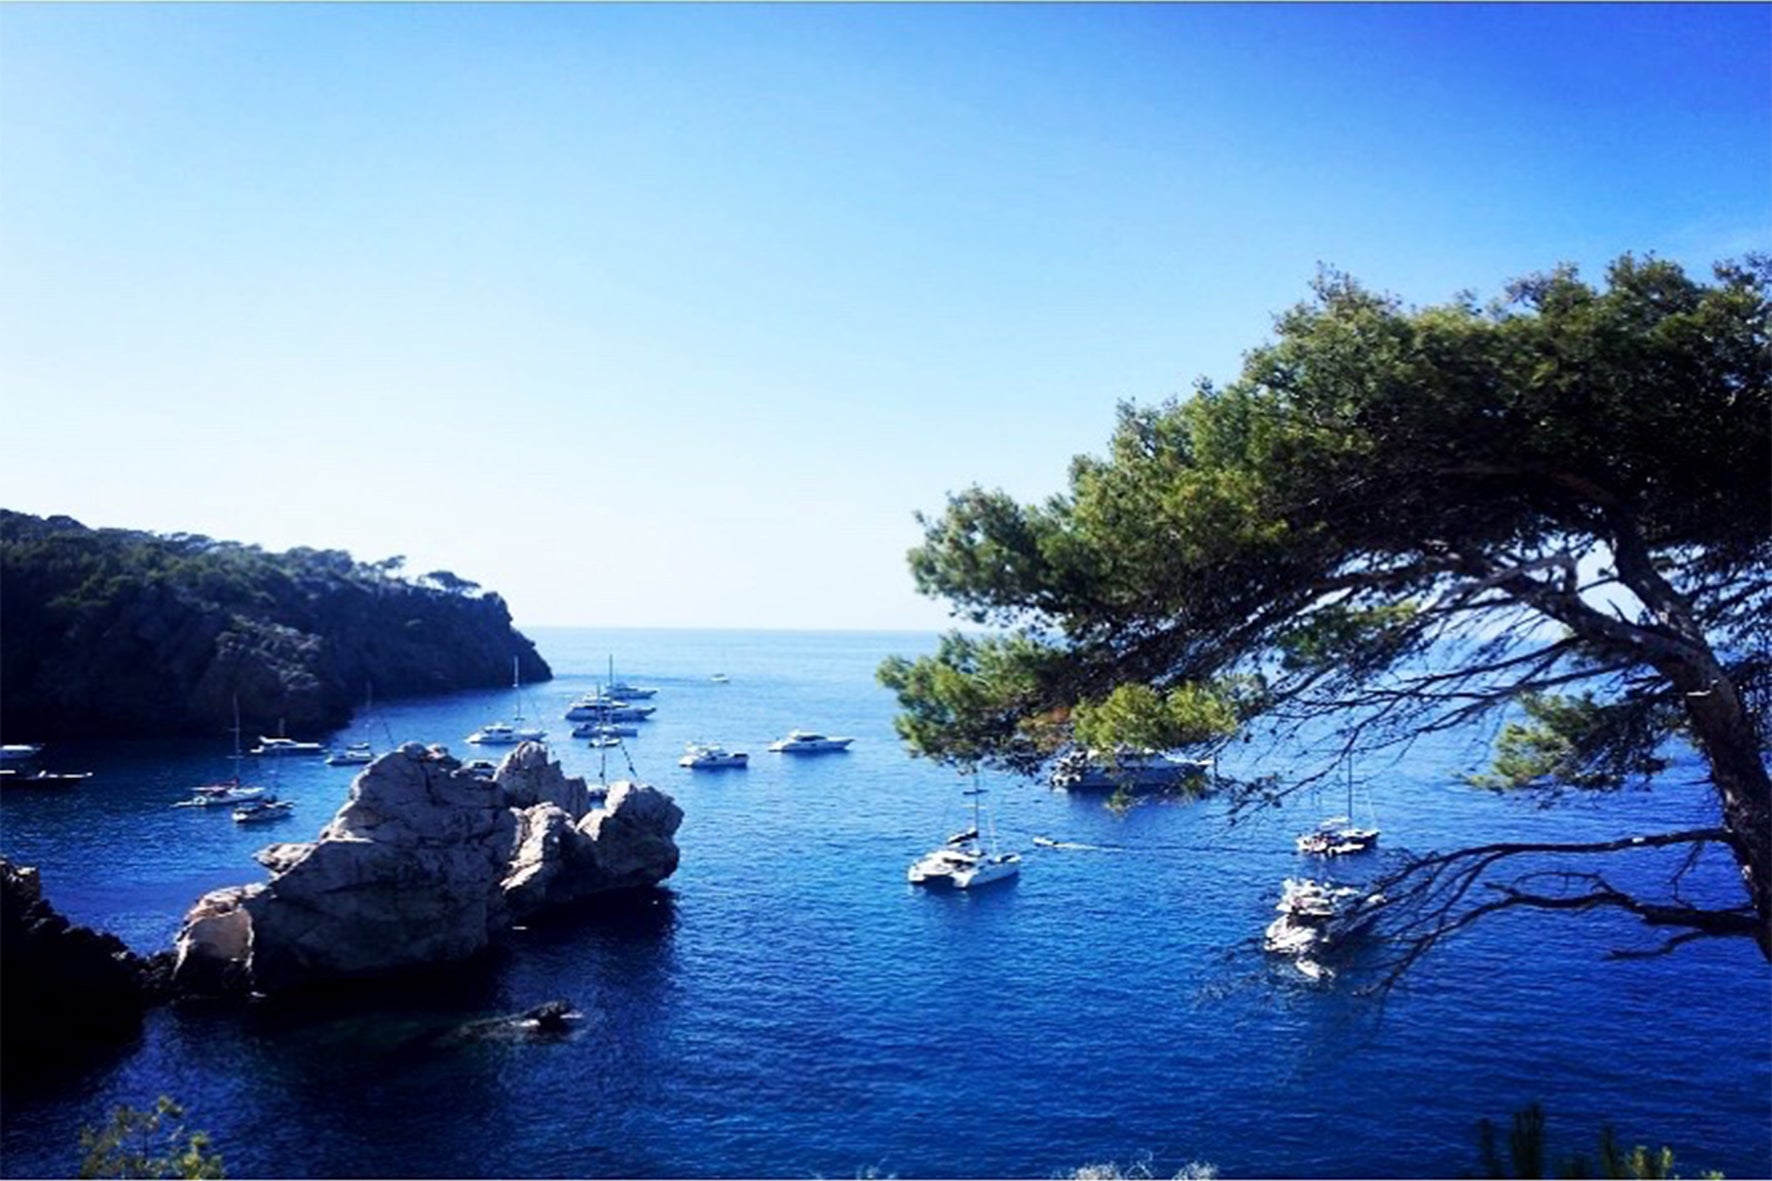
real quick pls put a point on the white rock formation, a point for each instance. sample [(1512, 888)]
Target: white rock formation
[(426, 864)]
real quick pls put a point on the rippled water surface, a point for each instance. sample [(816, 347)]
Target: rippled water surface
[(789, 1007)]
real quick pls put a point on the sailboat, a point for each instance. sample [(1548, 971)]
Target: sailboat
[(621, 690), (962, 861), (499, 734), (1337, 836), (357, 753), (229, 790)]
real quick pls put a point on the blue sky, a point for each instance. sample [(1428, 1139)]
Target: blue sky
[(674, 315)]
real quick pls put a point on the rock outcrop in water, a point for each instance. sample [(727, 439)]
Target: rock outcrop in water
[(64, 989), (426, 864), (134, 634)]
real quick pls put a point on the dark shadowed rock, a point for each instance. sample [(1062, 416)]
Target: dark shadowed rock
[(64, 989)]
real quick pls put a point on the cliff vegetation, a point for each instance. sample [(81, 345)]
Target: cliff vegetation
[(122, 633)]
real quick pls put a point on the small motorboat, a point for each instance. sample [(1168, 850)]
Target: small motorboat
[(285, 746), (12, 778), (806, 742), (259, 811), (215, 795), (605, 729), (354, 755), (707, 756), (605, 740)]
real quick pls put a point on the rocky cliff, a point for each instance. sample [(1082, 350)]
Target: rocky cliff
[(64, 989), (425, 865), (135, 634)]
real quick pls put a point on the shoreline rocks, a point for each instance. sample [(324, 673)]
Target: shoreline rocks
[(67, 989), (425, 864)]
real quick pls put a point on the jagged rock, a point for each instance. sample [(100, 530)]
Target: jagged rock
[(215, 942), (427, 864), (529, 777), (63, 988)]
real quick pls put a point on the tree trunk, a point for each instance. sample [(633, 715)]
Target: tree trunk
[(1727, 737)]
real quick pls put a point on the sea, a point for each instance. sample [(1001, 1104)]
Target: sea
[(788, 1005)]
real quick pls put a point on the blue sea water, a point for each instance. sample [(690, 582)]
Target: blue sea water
[(787, 1006)]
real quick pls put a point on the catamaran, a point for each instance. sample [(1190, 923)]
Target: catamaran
[(962, 861)]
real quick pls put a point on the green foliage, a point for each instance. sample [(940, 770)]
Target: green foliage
[(1383, 483), (1338, 634), (1527, 1154), (1573, 740), (976, 695), (152, 1143), (1138, 717)]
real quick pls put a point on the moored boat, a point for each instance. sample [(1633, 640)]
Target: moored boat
[(807, 742), (962, 862), (710, 756), (354, 755), (259, 811), (285, 746), (42, 778), (1316, 918), (1338, 836), (1131, 770)]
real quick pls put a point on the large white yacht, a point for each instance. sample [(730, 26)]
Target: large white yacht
[(1134, 770), (494, 734), (806, 742), (593, 707), (710, 755), (1315, 917)]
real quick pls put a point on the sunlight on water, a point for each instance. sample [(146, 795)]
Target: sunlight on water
[(790, 1006)]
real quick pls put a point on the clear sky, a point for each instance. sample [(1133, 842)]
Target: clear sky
[(674, 315)]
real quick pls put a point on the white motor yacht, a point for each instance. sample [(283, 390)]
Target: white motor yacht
[(806, 742), (215, 795), (285, 746), (1317, 916), (595, 709), (494, 734), (42, 778), (259, 811), (354, 755), (1133, 770), (19, 751), (710, 755), (604, 730)]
